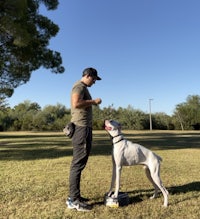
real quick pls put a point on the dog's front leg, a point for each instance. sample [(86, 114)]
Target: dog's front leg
[(118, 174), (113, 176)]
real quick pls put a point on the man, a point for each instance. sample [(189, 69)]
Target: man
[(81, 112)]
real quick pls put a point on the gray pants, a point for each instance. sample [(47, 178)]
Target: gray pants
[(82, 143)]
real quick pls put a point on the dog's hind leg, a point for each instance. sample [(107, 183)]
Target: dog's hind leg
[(148, 174), (155, 175)]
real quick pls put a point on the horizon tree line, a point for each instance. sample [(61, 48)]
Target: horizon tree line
[(29, 116)]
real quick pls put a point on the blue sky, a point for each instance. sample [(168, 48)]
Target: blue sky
[(142, 49)]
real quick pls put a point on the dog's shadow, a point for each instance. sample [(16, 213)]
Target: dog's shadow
[(190, 187), (137, 196)]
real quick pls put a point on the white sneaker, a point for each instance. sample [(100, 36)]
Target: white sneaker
[(78, 205)]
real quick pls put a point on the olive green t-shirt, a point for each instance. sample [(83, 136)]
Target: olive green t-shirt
[(82, 116)]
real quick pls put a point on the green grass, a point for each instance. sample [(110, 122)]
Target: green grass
[(34, 170)]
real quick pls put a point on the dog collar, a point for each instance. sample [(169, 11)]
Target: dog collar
[(118, 140)]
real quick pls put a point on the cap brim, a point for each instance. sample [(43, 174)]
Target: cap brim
[(98, 78)]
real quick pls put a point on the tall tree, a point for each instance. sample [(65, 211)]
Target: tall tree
[(187, 114), (24, 40)]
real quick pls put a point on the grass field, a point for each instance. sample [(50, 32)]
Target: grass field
[(34, 170)]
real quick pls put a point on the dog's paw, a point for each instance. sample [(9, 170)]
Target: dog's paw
[(113, 196), (154, 196)]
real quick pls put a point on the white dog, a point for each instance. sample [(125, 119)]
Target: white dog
[(126, 153)]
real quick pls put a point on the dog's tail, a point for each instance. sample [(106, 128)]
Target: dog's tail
[(159, 158)]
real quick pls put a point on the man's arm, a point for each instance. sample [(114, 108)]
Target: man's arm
[(77, 102)]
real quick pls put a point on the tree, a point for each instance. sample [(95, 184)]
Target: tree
[(52, 118), (23, 115), (131, 118), (5, 119), (3, 103), (161, 121), (187, 114), (24, 40), (98, 118)]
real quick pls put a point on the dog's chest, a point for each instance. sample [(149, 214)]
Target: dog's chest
[(127, 154)]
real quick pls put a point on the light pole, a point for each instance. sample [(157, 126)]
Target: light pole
[(150, 119)]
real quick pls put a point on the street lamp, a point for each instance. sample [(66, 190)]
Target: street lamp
[(150, 119)]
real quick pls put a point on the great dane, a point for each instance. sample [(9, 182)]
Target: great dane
[(126, 153)]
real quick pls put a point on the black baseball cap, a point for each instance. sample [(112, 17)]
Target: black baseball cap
[(91, 72)]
